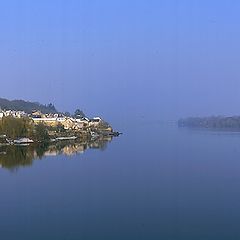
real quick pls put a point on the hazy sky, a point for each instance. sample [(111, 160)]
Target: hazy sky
[(158, 59)]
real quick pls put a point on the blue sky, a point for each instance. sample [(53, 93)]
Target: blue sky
[(163, 59)]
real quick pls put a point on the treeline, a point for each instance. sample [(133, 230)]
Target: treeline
[(211, 122), (26, 106), (15, 128)]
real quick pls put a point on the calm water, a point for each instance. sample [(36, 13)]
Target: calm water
[(154, 182)]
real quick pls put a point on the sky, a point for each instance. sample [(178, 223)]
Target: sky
[(158, 59)]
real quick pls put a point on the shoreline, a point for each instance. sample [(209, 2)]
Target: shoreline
[(21, 142)]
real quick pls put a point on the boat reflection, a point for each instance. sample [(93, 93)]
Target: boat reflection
[(14, 157)]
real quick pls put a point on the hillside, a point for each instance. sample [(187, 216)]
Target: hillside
[(28, 107)]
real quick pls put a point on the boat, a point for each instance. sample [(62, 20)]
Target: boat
[(111, 134), (23, 141), (22, 144), (115, 134), (66, 138)]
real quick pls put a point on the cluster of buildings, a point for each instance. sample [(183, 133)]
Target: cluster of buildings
[(54, 119), (12, 113)]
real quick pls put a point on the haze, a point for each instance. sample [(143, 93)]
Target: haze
[(121, 59)]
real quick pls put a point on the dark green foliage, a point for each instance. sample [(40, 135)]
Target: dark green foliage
[(41, 133), (103, 125), (41, 149), (23, 127), (16, 127), (60, 128), (67, 114), (51, 108), (79, 114), (28, 107), (17, 156)]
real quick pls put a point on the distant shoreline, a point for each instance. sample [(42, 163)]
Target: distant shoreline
[(215, 123)]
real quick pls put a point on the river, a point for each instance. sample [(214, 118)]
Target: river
[(156, 181)]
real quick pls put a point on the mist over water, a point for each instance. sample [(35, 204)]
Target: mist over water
[(140, 65)]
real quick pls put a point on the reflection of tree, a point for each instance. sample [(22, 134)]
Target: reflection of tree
[(41, 149), (13, 157)]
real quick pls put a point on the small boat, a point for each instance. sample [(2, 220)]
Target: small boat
[(66, 138), (23, 141), (112, 134), (22, 144)]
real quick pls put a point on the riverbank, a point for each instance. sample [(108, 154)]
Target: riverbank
[(5, 141), (36, 127), (215, 122)]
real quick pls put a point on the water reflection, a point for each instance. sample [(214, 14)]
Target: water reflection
[(13, 157)]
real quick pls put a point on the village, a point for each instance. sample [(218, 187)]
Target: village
[(71, 127)]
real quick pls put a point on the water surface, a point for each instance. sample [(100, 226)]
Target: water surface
[(154, 182)]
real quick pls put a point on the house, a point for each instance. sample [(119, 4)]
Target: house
[(83, 121), (12, 113), (61, 119), (36, 114), (1, 114), (95, 121), (78, 126), (68, 123), (9, 113), (20, 114), (47, 121)]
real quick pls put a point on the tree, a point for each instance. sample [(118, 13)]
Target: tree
[(16, 127), (67, 114), (51, 107), (60, 128), (79, 114), (41, 133)]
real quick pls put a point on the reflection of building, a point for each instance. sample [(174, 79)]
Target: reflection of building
[(13, 157), (74, 149), (67, 149), (50, 153)]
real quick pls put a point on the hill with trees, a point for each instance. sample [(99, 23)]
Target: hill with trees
[(215, 122), (26, 106)]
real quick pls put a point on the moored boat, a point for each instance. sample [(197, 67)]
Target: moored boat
[(66, 138), (23, 141)]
